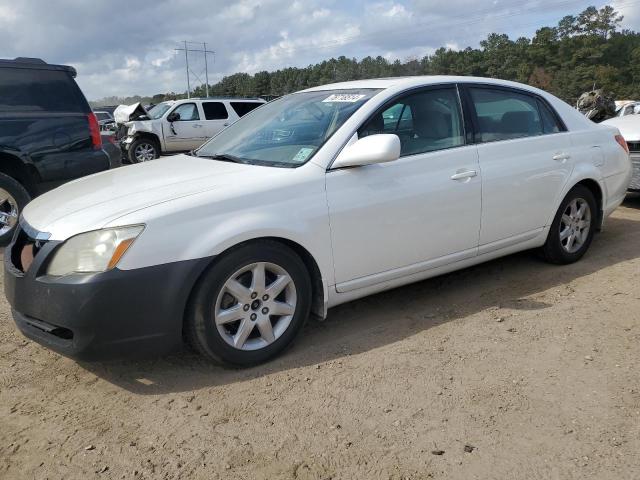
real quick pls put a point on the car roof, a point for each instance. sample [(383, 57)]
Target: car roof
[(236, 99), (416, 81), (34, 63)]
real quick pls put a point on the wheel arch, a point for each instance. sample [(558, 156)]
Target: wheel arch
[(23, 172), (319, 292), (598, 193), (590, 181), (151, 136)]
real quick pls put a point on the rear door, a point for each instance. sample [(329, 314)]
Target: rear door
[(186, 133), (525, 159), (216, 118)]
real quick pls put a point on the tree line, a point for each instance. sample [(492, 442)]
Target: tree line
[(580, 52)]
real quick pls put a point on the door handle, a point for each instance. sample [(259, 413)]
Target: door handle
[(225, 124), (196, 125), (561, 157), (463, 174)]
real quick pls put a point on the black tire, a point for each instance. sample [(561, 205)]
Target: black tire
[(21, 197), (553, 250), (201, 331), (142, 142)]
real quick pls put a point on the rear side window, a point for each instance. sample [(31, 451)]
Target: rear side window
[(242, 108), (504, 115), (424, 121), (215, 111), (550, 122), (36, 90)]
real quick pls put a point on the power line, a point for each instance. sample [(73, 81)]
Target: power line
[(204, 51)]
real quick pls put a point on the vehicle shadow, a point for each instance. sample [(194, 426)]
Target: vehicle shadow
[(391, 316)]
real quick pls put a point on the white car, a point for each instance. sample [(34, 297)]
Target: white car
[(182, 125), (629, 127), (627, 107), (312, 200)]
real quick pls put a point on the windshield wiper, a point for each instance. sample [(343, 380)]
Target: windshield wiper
[(225, 157)]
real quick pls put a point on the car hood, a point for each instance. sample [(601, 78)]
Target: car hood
[(92, 202), (629, 126)]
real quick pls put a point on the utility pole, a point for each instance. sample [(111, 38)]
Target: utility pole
[(206, 70), (186, 62), (205, 52)]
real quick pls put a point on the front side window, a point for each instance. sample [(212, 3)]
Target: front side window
[(425, 121), (288, 131), (505, 115), (214, 111), (187, 112)]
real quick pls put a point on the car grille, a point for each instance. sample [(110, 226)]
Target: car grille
[(635, 178), (24, 250), (634, 146)]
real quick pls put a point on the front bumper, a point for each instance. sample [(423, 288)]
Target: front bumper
[(98, 316)]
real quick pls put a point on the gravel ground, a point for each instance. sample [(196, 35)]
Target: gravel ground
[(512, 369)]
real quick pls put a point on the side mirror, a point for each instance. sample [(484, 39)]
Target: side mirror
[(173, 117), (380, 148)]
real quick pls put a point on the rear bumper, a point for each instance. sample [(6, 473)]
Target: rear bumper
[(99, 316)]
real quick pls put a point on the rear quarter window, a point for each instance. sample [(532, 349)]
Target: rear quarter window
[(36, 90), (242, 108)]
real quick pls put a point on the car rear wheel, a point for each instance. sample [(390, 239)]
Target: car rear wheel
[(573, 227), (13, 198), (250, 304), (143, 150)]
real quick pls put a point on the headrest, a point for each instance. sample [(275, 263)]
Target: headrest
[(517, 122), (430, 123)]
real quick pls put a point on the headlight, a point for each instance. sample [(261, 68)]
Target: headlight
[(92, 252)]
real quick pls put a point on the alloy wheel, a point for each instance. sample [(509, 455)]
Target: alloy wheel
[(575, 225), (145, 152), (8, 211), (255, 306)]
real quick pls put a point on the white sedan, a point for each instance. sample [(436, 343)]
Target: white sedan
[(312, 200)]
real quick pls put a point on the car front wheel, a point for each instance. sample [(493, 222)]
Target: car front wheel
[(143, 150), (573, 227), (250, 305), (13, 198)]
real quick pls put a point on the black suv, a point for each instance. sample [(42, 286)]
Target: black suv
[(48, 134)]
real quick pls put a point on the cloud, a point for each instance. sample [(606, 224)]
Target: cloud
[(125, 47)]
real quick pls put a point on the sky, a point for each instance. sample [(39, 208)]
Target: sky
[(127, 47)]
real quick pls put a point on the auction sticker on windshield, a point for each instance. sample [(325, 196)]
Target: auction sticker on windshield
[(344, 97), (302, 154)]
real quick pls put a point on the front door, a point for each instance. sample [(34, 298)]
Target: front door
[(394, 219), (187, 132)]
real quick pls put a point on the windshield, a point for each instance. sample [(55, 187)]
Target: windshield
[(158, 110), (102, 115), (288, 131)]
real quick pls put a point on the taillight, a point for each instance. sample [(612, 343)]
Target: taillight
[(94, 130), (623, 143)]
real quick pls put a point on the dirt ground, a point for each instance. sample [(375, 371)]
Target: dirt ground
[(514, 369)]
